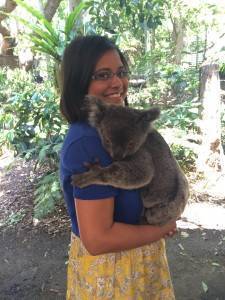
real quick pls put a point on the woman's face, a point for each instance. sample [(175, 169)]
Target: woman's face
[(110, 80)]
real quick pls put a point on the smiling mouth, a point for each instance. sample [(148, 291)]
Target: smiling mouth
[(114, 95)]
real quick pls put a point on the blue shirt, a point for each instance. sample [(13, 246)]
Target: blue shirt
[(82, 144)]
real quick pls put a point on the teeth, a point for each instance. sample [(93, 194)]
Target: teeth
[(114, 95)]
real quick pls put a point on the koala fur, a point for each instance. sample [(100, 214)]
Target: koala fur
[(141, 159)]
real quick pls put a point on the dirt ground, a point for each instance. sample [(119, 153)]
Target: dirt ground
[(33, 256)]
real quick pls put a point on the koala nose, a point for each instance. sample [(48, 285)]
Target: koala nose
[(118, 156)]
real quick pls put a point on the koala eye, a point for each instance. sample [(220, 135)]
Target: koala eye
[(107, 141), (131, 145)]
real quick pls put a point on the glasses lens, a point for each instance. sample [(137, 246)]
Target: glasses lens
[(106, 75), (122, 73), (102, 75)]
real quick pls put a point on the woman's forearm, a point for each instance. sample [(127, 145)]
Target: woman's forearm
[(122, 236)]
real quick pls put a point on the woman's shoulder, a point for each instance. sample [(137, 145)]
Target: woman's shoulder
[(83, 143), (81, 129)]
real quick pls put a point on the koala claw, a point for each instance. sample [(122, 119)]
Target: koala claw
[(93, 166)]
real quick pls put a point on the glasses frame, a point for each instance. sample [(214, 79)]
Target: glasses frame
[(111, 74)]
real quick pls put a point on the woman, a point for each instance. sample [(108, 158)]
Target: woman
[(111, 255)]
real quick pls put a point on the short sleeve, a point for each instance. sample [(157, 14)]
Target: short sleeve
[(88, 149)]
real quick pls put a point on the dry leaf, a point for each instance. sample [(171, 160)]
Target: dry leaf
[(205, 287)]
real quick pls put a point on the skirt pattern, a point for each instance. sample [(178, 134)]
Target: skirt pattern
[(137, 274)]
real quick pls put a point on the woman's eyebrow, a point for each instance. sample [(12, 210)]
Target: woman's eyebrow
[(108, 69)]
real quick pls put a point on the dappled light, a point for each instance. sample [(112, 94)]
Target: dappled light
[(203, 215), (176, 56)]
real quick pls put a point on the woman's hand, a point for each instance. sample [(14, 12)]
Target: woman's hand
[(170, 228)]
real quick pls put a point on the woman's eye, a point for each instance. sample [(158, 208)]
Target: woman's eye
[(103, 75), (122, 73)]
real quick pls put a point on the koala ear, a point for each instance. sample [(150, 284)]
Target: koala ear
[(96, 109), (150, 115)]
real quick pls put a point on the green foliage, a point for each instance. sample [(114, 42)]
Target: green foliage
[(30, 117), (183, 82), (186, 157), (114, 18), (31, 124), (222, 70), (45, 38), (14, 120), (184, 116), (47, 195), (170, 86), (14, 218)]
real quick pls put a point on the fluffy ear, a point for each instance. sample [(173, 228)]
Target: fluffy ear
[(96, 109), (150, 115)]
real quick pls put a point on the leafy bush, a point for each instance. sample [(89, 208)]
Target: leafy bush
[(32, 126), (47, 195), (166, 85), (184, 116), (186, 157), (183, 82), (29, 114)]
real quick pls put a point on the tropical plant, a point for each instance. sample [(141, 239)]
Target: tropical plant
[(43, 35)]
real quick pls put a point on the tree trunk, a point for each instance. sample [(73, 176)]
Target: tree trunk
[(48, 11), (10, 61), (8, 42), (51, 8), (73, 4), (178, 40), (211, 158)]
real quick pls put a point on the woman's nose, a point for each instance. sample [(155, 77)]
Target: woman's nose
[(116, 81)]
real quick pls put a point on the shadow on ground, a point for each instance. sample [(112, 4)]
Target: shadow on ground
[(33, 258), (33, 264)]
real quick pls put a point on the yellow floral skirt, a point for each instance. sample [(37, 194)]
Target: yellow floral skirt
[(138, 274)]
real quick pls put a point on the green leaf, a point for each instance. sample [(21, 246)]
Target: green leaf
[(57, 147), (44, 45), (72, 17), (51, 30), (47, 51), (30, 9), (44, 29), (43, 153)]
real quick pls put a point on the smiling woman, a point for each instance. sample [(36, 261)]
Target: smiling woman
[(112, 256), (110, 79)]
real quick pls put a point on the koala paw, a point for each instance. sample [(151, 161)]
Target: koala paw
[(92, 176), (87, 178), (80, 180), (93, 167)]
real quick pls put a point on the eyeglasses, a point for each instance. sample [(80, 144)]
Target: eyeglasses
[(105, 75)]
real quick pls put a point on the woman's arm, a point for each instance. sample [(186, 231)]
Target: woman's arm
[(100, 234)]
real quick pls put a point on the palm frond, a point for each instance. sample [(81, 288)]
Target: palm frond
[(73, 16)]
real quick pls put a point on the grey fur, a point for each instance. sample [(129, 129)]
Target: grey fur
[(141, 159)]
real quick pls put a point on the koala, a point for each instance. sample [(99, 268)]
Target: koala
[(141, 159)]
